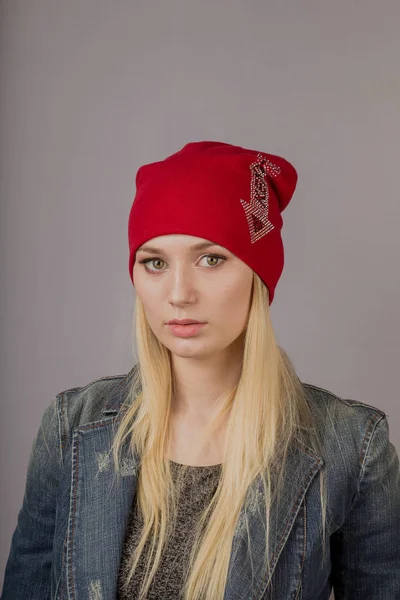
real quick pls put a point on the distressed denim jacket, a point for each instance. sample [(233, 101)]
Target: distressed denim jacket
[(68, 540)]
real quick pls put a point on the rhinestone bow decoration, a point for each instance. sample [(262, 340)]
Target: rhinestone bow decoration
[(257, 209)]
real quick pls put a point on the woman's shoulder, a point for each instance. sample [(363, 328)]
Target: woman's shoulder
[(97, 400), (346, 426), (324, 402)]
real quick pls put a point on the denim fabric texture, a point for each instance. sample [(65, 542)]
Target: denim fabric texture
[(68, 540)]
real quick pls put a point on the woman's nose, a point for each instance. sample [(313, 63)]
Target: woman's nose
[(181, 288)]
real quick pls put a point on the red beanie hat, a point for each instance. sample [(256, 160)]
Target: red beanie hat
[(229, 195)]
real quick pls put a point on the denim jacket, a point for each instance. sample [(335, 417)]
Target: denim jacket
[(68, 540)]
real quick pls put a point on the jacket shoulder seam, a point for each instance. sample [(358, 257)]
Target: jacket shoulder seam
[(365, 446), (348, 401), (82, 388)]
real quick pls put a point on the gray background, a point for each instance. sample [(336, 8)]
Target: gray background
[(90, 90)]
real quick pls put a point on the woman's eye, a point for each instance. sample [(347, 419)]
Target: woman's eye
[(215, 258), (146, 261), (212, 261), (153, 260)]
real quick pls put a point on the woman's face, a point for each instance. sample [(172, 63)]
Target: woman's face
[(180, 281)]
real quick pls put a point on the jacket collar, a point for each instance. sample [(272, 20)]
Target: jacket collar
[(118, 393)]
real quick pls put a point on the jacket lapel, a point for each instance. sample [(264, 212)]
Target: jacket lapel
[(100, 505), (248, 574)]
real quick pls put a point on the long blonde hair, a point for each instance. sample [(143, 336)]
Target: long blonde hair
[(264, 412)]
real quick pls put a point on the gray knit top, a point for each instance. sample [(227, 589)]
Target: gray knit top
[(198, 487)]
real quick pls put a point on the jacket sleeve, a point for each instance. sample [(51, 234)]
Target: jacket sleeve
[(28, 569), (366, 548)]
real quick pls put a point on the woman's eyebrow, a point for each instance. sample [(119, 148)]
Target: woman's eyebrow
[(153, 250)]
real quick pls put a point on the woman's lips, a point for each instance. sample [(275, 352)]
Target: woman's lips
[(186, 330)]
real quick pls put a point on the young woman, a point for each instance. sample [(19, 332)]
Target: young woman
[(209, 471)]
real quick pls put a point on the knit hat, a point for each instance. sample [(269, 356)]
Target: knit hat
[(227, 194)]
